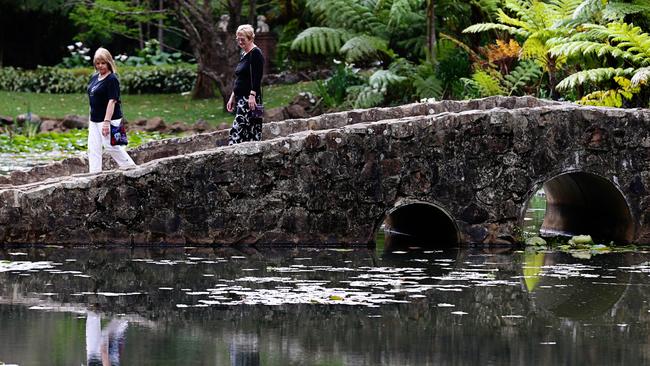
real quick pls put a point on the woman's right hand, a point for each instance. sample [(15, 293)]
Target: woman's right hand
[(229, 105)]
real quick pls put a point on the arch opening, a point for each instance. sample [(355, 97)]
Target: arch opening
[(580, 203), (417, 226)]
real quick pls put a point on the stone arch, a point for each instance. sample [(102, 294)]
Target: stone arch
[(579, 202), (419, 224)]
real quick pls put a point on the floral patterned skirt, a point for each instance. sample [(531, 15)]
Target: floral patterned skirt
[(244, 128)]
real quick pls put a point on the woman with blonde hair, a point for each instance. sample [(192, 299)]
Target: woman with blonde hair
[(247, 90), (105, 110)]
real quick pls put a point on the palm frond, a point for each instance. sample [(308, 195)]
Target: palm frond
[(320, 40), (593, 75)]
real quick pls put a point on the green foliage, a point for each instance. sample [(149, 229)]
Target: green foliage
[(426, 83), (133, 80), (483, 84), (628, 45), (526, 73), (334, 90), (360, 30), (364, 47), (320, 40), (101, 19), (151, 55), (65, 142), (612, 97), (78, 56)]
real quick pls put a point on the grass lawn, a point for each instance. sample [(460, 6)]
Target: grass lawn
[(171, 107)]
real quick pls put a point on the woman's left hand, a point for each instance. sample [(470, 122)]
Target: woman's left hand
[(251, 102), (106, 128)]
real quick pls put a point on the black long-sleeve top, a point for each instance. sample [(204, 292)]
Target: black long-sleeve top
[(249, 71)]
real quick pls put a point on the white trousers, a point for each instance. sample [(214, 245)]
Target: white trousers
[(95, 143)]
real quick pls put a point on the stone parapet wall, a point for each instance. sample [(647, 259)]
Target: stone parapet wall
[(334, 186), (185, 145)]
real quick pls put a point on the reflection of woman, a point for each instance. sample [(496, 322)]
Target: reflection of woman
[(103, 348), (104, 98), (247, 90)]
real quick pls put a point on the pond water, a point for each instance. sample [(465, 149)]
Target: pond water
[(221, 306), (12, 162)]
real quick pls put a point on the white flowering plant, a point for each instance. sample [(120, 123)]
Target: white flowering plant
[(78, 56)]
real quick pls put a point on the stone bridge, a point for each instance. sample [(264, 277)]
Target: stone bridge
[(442, 173)]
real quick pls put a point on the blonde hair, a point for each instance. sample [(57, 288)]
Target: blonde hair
[(246, 30), (102, 54)]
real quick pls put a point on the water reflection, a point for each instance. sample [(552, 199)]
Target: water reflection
[(104, 346), (219, 306)]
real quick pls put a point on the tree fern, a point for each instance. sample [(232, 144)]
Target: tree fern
[(398, 11), (524, 74), (641, 76), (617, 11), (612, 97), (564, 9), (320, 40), (365, 47), (594, 76), (367, 97), (617, 40), (383, 79), (484, 27), (487, 84)]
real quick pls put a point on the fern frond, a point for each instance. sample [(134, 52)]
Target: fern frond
[(593, 76), (519, 7), (603, 98), (431, 87), (350, 14), (365, 47), (631, 38), (487, 84), (367, 96), (641, 76), (508, 20), (320, 40), (616, 11), (534, 49), (563, 9), (525, 73), (398, 11), (383, 79), (483, 27), (587, 47)]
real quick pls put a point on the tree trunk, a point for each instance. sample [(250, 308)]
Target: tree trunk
[(431, 31), (161, 39), (252, 13), (215, 52), (140, 31)]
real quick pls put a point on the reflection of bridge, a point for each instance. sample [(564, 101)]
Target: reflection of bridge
[(460, 170)]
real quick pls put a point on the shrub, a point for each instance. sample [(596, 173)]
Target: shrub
[(133, 80)]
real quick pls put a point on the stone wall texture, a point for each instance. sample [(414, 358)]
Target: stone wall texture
[(334, 181)]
